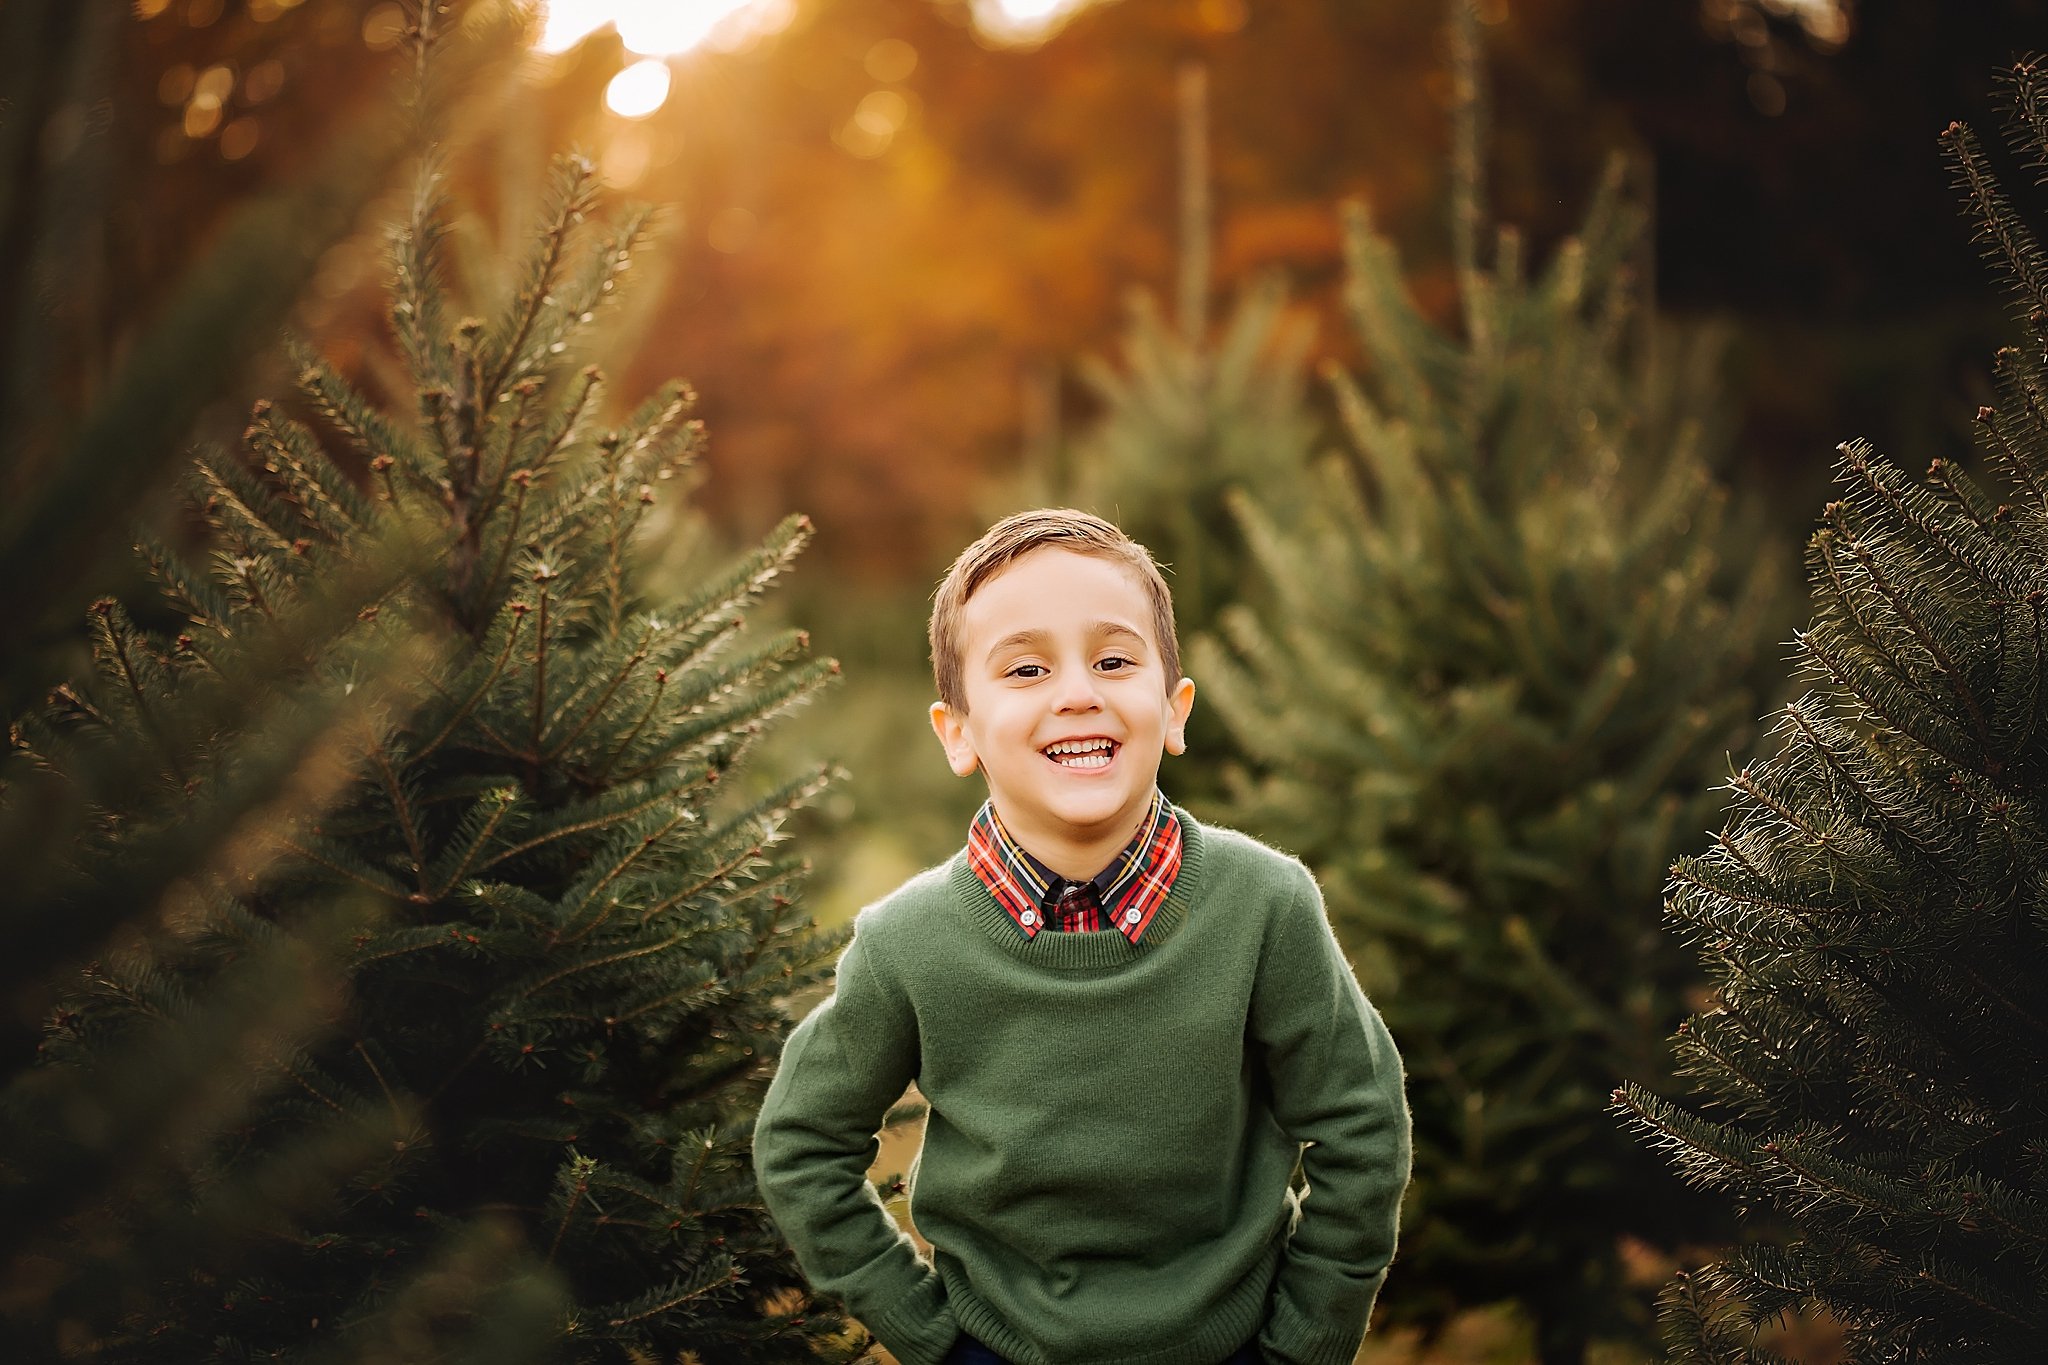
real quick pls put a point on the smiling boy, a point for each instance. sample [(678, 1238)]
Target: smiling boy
[(1131, 1029)]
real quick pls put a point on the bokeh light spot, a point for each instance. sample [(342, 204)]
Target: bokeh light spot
[(150, 9), (174, 87), (639, 90), (238, 139), (891, 60), (730, 230), (263, 82), (203, 13), (882, 112), (215, 83), (202, 116)]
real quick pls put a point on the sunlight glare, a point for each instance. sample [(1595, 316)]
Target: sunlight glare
[(639, 90), (1024, 22), (662, 28)]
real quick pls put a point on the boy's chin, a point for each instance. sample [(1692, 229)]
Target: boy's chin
[(1084, 812)]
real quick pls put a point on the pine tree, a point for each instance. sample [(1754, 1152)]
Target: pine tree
[(556, 1034), (99, 852), (1187, 416), (1514, 635), (1870, 1085), (1188, 413)]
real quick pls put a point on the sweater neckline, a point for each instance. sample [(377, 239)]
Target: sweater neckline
[(1082, 949)]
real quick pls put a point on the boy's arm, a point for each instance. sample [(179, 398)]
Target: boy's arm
[(813, 1144), (1336, 1085)]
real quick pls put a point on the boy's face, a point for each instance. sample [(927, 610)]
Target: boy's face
[(1068, 706)]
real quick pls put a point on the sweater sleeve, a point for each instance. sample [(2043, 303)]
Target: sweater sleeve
[(1337, 1087), (815, 1139)]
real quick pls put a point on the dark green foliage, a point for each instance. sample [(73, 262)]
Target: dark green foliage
[(86, 444), (1871, 1079), (520, 1112), (1187, 415), (96, 393), (1507, 647), (1187, 419)]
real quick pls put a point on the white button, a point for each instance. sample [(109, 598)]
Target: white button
[(1028, 918), (1130, 916)]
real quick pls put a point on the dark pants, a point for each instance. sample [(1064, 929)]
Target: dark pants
[(968, 1351)]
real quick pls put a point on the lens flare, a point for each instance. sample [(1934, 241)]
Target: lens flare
[(639, 90), (663, 28)]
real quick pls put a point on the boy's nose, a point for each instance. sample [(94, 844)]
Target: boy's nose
[(1077, 692)]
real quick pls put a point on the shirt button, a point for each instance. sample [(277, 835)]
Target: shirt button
[(1131, 916), (1028, 918)]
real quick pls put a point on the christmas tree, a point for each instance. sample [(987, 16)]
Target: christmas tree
[(1514, 635), (1870, 1079), (98, 390), (1187, 416), (550, 1041)]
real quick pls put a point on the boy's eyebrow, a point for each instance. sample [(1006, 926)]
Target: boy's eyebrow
[(1114, 628), (1036, 637), (1015, 637)]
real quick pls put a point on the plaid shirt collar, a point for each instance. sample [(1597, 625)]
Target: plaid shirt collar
[(1129, 891)]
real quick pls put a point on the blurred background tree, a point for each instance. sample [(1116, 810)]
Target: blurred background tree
[(1868, 1084), (101, 377), (1505, 655), (272, 1119), (890, 249), (1190, 413)]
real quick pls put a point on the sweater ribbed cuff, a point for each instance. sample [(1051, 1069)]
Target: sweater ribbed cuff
[(918, 1329), (1297, 1339)]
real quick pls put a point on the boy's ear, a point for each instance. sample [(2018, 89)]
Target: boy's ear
[(1179, 703), (951, 728)]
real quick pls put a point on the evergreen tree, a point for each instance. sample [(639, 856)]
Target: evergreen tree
[(96, 392), (1187, 416), (1188, 413), (1870, 1080), (1510, 640), (556, 1035)]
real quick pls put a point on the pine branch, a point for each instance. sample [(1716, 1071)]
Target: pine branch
[(570, 198), (2007, 242), (372, 435)]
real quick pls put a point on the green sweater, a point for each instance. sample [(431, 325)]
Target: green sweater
[(1113, 1128)]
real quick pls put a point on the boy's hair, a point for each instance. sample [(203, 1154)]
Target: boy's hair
[(1009, 540)]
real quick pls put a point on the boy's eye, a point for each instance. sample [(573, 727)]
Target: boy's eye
[(1026, 671), (1116, 662)]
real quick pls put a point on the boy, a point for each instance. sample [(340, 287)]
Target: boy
[(1126, 1026)]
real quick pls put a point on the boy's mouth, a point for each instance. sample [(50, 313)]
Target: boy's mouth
[(1095, 752)]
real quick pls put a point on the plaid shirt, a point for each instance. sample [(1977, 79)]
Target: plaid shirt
[(1125, 895)]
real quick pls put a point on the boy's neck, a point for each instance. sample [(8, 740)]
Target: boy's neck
[(1076, 854)]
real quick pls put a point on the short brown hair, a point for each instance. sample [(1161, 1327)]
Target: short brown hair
[(1009, 540)]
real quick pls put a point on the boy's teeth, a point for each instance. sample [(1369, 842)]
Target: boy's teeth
[(1081, 753)]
